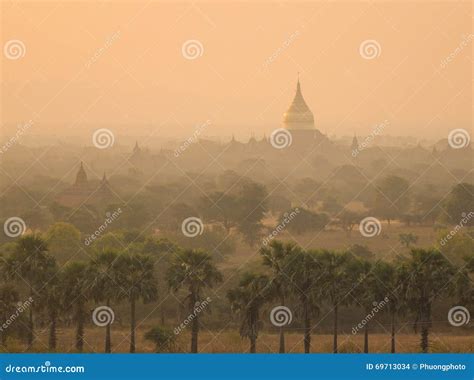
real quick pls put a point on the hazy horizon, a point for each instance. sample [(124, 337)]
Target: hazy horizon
[(121, 66)]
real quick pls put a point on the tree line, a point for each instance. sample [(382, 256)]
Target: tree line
[(306, 280)]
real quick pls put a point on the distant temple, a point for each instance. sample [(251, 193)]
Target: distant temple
[(299, 121), (84, 192)]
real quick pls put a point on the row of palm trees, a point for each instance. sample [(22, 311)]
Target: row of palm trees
[(310, 279), (316, 278)]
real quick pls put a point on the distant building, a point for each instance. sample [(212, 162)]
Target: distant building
[(85, 192), (299, 121)]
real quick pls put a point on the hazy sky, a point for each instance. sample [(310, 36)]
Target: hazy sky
[(121, 64)]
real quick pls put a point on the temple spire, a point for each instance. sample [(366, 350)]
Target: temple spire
[(81, 176)]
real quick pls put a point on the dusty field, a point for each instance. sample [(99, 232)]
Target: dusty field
[(227, 341), (385, 246)]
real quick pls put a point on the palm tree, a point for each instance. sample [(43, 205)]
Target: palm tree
[(193, 270), (52, 301), (8, 303), (430, 277), (105, 285), (305, 280), (275, 256), (136, 275), (30, 262), (365, 294), (75, 284), (247, 299), (338, 280), (391, 282)]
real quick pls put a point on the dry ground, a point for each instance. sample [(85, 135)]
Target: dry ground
[(229, 341)]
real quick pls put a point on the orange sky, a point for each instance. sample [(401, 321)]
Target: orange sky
[(120, 64)]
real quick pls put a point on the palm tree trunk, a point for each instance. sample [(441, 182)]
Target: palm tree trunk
[(253, 344), (282, 330), (366, 338), (425, 325), (31, 335), (4, 333), (132, 325), (307, 329), (108, 341), (52, 332), (393, 333), (80, 328), (194, 335), (334, 346), (424, 338), (193, 298)]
